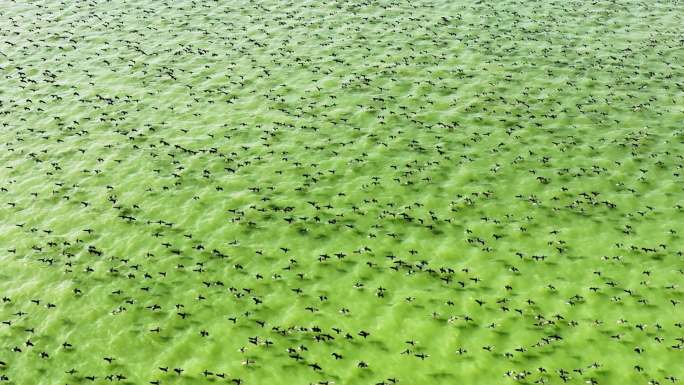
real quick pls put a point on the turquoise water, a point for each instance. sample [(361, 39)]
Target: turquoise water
[(353, 192)]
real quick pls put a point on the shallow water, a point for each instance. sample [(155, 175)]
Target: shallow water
[(464, 176)]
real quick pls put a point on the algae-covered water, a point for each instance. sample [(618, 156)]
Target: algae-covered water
[(347, 192)]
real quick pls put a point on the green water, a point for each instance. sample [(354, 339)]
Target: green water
[(492, 190)]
